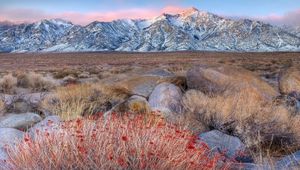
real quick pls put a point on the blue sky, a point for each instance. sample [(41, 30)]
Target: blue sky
[(267, 10)]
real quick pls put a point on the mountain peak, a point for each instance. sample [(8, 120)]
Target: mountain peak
[(190, 11)]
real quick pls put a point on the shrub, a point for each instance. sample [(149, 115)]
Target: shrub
[(77, 100), (120, 143), (34, 81), (65, 72), (243, 114), (8, 84)]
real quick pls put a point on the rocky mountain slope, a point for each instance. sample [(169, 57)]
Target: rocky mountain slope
[(189, 30)]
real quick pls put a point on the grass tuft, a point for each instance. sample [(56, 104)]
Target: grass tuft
[(35, 82), (84, 99), (8, 84), (121, 143), (246, 115)]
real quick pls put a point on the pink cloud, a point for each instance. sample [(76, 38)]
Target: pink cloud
[(27, 15), (290, 18)]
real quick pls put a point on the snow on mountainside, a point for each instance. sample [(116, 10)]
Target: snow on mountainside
[(294, 30), (190, 30)]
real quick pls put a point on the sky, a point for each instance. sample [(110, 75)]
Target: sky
[(85, 11)]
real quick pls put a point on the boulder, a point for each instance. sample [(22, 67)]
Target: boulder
[(289, 81), (289, 162), (4, 164), (220, 142), (10, 136), (160, 72), (143, 85), (166, 97), (34, 98), (249, 166), (84, 75), (3, 155), (89, 80), (49, 124), (135, 104), (23, 103), (19, 121), (223, 78)]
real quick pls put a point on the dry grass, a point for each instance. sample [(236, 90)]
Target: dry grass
[(66, 72), (36, 82), (2, 106), (33, 81), (8, 84), (77, 100), (289, 81), (134, 105), (122, 143), (246, 115), (139, 107)]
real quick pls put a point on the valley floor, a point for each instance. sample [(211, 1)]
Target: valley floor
[(48, 61)]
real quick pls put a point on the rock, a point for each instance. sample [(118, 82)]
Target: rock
[(160, 72), (34, 98), (221, 142), (19, 121), (23, 103), (249, 166), (49, 124), (289, 162), (289, 81), (3, 155), (219, 79), (21, 107), (84, 75), (4, 164), (10, 136), (143, 85), (166, 97), (135, 104), (89, 80), (69, 80)]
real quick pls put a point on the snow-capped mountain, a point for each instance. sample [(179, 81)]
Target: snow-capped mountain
[(189, 30), (294, 30)]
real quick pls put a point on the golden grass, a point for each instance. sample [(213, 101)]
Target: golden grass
[(35, 82), (59, 74), (243, 114), (290, 81), (2, 107), (8, 84), (138, 106), (77, 100)]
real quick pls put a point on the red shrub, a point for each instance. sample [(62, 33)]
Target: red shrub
[(121, 143)]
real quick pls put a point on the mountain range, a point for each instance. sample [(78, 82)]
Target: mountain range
[(190, 30)]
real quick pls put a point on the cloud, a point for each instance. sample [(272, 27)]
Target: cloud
[(290, 18), (30, 15)]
